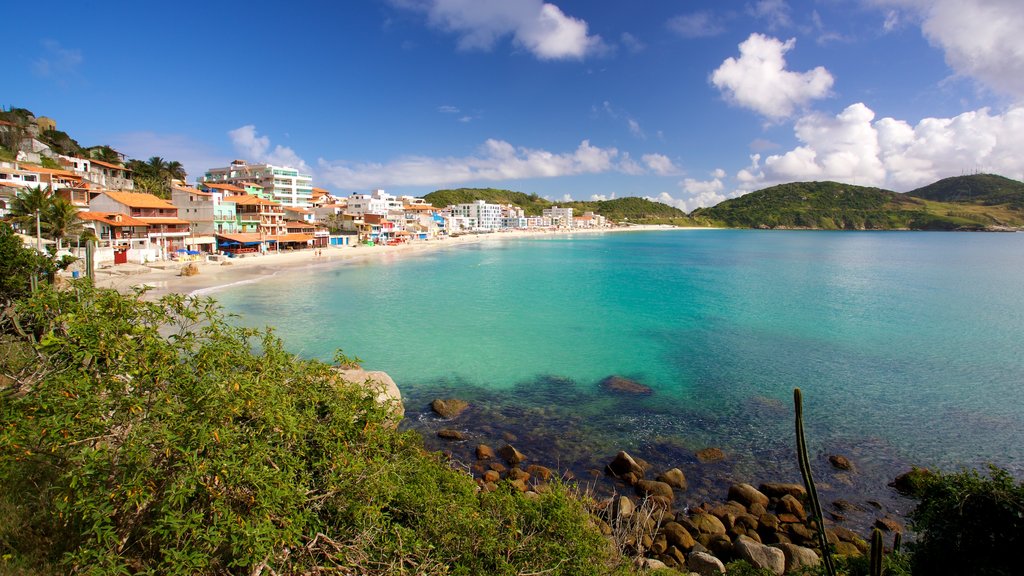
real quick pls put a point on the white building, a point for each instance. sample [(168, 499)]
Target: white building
[(283, 184), (376, 202), (487, 216), (559, 216)]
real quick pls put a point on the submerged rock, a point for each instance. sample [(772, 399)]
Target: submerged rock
[(710, 455), (449, 408), (840, 462), (511, 455), (449, 434), (626, 468), (624, 385)]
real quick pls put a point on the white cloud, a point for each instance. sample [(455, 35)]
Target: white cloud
[(57, 62), (855, 148), (632, 43), (635, 129), (446, 109), (539, 27), (696, 25), (659, 164), (602, 197), (197, 157), (496, 160), (981, 39), (774, 12), (759, 80), (257, 149)]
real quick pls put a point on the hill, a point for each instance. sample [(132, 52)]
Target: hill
[(978, 189), (836, 206), (632, 209)]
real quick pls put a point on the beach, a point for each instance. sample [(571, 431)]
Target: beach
[(166, 277)]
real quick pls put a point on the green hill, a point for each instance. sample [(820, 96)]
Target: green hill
[(836, 206), (632, 209), (979, 189)]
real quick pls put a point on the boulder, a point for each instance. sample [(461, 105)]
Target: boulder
[(649, 488), (798, 557), (625, 467), (542, 473), (484, 452), (674, 478), (450, 434), (840, 462), (760, 555), (491, 476), (910, 482), (517, 474), (705, 523), (746, 494), (678, 536), (651, 564), (790, 505), (705, 564), (780, 489), (511, 455), (518, 485), (387, 391), (710, 455), (449, 408), (624, 507), (888, 524), (623, 385)]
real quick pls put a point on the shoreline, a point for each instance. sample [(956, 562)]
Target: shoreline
[(163, 278)]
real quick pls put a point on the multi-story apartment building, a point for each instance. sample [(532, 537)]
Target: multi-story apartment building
[(377, 202), (486, 216), (559, 216), (255, 214), (281, 183)]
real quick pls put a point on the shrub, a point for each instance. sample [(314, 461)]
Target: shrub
[(156, 438)]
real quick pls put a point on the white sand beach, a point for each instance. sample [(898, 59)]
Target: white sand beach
[(165, 277)]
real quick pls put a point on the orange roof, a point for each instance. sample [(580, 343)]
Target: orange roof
[(248, 200), (251, 184), (320, 191), (139, 200), (292, 237), (192, 190), (299, 225), (298, 209), (242, 237), (164, 220), (106, 164), (420, 207), (223, 186), (112, 218), (54, 172)]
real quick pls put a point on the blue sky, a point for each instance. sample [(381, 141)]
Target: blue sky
[(689, 102)]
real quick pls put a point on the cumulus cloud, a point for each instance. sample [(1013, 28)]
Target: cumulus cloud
[(855, 148), (981, 39), (758, 79), (257, 148), (773, 12), (495, 160), (659, 164), (539, 27), (698, 193), (696, 25)]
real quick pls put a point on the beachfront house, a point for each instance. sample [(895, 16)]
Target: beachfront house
[(165, 230), (119, 237)]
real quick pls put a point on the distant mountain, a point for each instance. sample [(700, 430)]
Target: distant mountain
[(631, 208), (836, 206), (980, 189)]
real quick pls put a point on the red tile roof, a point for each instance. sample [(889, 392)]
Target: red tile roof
[(139, 200)]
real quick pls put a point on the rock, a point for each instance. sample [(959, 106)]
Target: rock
[(720, 546), (519, 485), (910, 482), (705, 523), (757, 509), (649, 488), (449, 408), (848, 549), (660, 544), (798, 557), (778, 490), (449, 434), (788, 504), (840, 462), (491, 476), (388, 393), (517, 474), (623, 385), (705, 564), (678, 536), (759, 555), (768, 522), (674, 478), (626, 468), (651, 564), (484, 452), (497, 466), (889, 525), (710, 455), (846, 506), (511, 455), (190, 269), (624, 507), (539, 472), (749, 522), (746, 494)]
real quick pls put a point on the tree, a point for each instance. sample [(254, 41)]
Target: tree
[(176, 170), (18, 265), (26, 205), (60, 220), (157, 166), (104, 153)]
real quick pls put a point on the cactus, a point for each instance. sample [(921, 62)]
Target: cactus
[(897, 540), (812, 494), (876, 553)]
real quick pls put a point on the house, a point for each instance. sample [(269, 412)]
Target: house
[(167, 232), (208, 214), (118, 235), (109, 176)]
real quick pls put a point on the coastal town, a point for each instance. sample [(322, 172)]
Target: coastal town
[(242, 209)]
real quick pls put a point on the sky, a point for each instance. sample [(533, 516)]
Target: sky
[(688, 102)]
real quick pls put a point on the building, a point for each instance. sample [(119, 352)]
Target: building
[(486, 216), (561, 217), (118, 236), (258, 215), (166, 232), (280, 183), (377, 202)]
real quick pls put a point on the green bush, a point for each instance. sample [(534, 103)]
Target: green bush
[(969, 524), (156, 438)]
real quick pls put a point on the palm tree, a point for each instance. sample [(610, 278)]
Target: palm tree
[(105, 154), (176, 170), (60, 220), (157, 167), (26, 205)]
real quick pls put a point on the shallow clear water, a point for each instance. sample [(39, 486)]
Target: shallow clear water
[(907, 345)]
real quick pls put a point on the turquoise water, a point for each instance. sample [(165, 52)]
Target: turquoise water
[(907, 345)]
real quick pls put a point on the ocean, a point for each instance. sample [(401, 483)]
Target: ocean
[(908, 346)]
